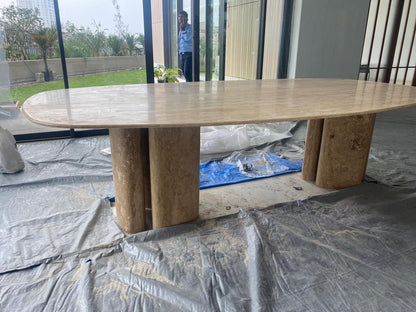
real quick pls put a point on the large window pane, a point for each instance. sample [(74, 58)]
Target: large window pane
[(103, 42), (29, 56)]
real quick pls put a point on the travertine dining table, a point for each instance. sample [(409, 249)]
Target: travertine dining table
[(155, 132)]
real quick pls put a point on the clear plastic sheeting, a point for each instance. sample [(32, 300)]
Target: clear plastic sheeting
[(56, 205), (223, 139), (352, 250), (66, 160), (393, 149)]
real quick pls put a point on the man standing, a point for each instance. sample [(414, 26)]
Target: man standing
[(185, 45)]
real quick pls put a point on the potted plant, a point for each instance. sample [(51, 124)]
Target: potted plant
[(164, 74)]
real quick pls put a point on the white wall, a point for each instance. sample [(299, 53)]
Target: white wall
[(328, 41)]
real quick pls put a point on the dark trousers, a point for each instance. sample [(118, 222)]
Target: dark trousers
[(186, 65)]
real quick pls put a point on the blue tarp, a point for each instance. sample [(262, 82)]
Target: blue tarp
[(240, 168)]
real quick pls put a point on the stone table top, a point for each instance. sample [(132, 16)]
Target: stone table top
[(213, 103)]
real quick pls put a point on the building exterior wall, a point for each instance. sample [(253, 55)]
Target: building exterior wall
[(404, 47), (243, 23), (329, 38), (45, 7), (272, 38), (242, 38), (157, 31)]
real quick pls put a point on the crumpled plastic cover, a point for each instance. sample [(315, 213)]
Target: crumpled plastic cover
[(350, 250), (222, 139)]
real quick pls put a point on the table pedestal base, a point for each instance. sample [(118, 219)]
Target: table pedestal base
[(129, 154), (312, 147), (173, 183), (174, 172), (336, 153), (343, 153)]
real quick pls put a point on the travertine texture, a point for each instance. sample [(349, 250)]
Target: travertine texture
[(213, 103), (174, 175), (312, 148), (344, 151), (173, 113), (129, 153)]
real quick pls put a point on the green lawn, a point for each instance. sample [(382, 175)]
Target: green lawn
[(119, 78)]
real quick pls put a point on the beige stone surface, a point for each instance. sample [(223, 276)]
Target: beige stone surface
[(312, 148), (131, 176), (174, 175), (344, 151), (173, 114), (213, 103)]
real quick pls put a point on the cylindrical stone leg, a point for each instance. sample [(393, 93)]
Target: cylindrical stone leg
[(129, 153), (174, 175), (312, 147), (344, 151)]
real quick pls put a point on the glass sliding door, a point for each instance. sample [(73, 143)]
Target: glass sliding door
[(29, 60), (103, 42)]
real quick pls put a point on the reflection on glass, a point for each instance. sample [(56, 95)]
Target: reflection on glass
[(30, 59)]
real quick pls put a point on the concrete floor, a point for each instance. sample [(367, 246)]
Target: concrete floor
[(229, 199)]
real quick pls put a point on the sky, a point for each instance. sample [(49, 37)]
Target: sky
[(85, 12)]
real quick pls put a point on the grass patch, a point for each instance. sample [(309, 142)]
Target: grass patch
[(120, 78)]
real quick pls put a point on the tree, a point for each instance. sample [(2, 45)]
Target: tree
[(96, 40), (83, 42), (116, 44), (75, 41), (131, 40), (120, 26), (19, 25), (45, 39), (141, 40), (202, 48)]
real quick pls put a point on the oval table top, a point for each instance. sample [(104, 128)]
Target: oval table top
[(213, 103)]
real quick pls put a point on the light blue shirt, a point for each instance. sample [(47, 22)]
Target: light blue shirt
[(185, 39)]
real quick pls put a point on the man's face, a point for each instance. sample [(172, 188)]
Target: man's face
[(182, 20)]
